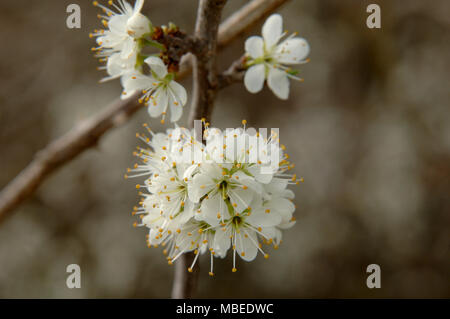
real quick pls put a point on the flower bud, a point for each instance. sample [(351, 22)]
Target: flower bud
[(138, 25)]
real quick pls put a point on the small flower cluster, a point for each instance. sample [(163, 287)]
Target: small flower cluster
[(215, 196), (121, 46)]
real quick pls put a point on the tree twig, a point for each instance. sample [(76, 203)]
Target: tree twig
[(235, 73), (204, 91), (204, 62), (87, 133), (246, 17)]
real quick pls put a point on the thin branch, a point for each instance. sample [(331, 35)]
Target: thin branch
[(87, 133), (83, 136), (246, 17), (235, 73), (204, 89), (236, 24), (204, 63)]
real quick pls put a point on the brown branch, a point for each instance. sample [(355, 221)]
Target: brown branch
[(83, 136), (204, 61), (235, 73), (204, 91), (87, 133), (246, 17), (236, 24)]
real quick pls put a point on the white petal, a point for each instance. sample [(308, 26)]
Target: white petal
[(128, 8), (157, 65), (158, 104), (260, 218), (292, 51), (278, 82), (199, 187), (245, 246), (254, 46), (254, 78), (277, 185), (176, 110), (222, 241), (213, 210), (179, 92), (129, 47), (118, 25), (259, 176), (138, 6), (272, 30), (114, 65), (240, 198), (135, 81), (138, 25)]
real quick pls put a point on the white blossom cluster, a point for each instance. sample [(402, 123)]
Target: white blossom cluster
[(121, 46), (224, 194)]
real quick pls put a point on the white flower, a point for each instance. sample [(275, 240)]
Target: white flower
[(121, 38), (159, 90), (116, 66), (224, 201), (267, 58)]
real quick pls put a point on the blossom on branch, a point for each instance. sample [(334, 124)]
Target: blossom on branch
[(269, 59), (216, 196), (119, 45), (159, 90)]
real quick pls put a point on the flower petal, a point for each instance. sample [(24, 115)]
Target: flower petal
[(222, 241), (245, 245), (279, 83), (292, 51), (272, 30), (200, 185), (213, 210), (158, 103), (260, 218), (129, 47), (118, 25), (157, 65), (254, 46), (179, 92), (135, 81), (176, 110), (138, 6), (254, 78)]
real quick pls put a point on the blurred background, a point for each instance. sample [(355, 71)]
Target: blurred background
[(368, 130)]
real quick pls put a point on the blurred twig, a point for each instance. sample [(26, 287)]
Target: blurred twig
[(87, 133)]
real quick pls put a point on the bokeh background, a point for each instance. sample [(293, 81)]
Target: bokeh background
[(368, 130)]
